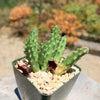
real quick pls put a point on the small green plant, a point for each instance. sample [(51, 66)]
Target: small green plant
[(87, 15), (90, 19), (48, 54), (73, 8)]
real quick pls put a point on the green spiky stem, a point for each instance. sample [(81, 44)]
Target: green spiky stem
[(60, 49), (42, 51), (31, 51), (51, 47), (48, 55), (71, 60)]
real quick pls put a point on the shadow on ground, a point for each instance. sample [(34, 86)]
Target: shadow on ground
[(17, 93)]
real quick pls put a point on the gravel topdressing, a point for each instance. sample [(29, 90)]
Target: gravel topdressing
[(46, 82)]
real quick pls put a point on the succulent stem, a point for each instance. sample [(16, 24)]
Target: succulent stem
[(60, 50), (71, 60), (51, 47), (31, 51), (42, 51)]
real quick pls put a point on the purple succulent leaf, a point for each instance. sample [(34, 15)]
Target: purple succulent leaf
[(24, 69)]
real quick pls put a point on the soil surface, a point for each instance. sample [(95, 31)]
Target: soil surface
[(12, 47)]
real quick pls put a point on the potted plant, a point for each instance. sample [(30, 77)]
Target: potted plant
[(43, 74)]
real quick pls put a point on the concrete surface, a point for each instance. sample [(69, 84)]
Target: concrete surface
[(93, 46), (90, 65), (84, 89)]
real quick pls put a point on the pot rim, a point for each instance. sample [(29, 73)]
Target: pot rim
[(14, 62)]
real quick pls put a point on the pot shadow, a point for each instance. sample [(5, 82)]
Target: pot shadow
[(17, 93)]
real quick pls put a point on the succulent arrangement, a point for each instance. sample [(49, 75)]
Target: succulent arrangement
[(19, 12), (97, 2), (48, 55), (69, 24), (18, 18), (73, 8), (88, 15)]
